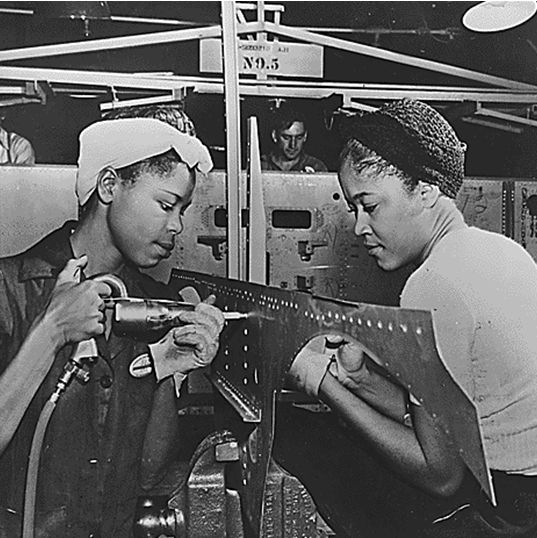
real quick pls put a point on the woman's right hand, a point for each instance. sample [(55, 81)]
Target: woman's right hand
[(75, 310)]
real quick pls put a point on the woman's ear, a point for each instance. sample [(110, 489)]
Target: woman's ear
[(429, 193), (107, 183), (274, 137)]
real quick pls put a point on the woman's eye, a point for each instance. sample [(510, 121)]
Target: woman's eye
[(369, 208), (166, 207)]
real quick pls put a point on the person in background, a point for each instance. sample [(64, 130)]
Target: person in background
[(392, 470), (15, 150), (289, 134), (108, 441)]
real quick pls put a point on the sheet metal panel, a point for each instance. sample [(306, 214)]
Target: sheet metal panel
[(326, 257), (256, 352), (525, 215), (481, 201), (34, 201)]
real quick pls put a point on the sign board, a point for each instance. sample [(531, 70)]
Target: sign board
[(266, 58)]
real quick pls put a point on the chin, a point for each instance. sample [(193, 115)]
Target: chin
[(149, 264), (389, 265), (146, 262)]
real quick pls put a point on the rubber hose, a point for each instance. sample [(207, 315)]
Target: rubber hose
[(30, 493)]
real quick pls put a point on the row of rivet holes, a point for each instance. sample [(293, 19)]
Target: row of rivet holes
[(368, 322), (322, 317), (273, 303), (244, 364)]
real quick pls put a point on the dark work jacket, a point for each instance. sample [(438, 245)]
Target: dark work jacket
[(88, 476)]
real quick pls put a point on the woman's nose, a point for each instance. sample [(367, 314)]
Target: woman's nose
[(361, 226), (175, 225)]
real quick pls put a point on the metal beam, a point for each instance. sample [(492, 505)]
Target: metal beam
[(257, 220), (96, 45), (270, 88), (492, 124), (505, 117), (233, 140), (94, 78), (171, 97), (12, 90), (396, 57)]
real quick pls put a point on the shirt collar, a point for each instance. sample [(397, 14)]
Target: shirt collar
[(48, 257), (296, 167)]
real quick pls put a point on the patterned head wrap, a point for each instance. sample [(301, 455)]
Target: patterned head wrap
[(416, 139)]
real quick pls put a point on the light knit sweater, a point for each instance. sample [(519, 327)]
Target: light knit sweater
[(482, 290)]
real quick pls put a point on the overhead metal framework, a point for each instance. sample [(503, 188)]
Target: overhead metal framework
[(512, 99)]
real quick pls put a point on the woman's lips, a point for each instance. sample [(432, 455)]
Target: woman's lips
[(166, 248)]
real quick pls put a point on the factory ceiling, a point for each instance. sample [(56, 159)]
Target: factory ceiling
[(424, 30), (373, 51)]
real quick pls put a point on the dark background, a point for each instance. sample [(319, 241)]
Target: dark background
[(53, 128)]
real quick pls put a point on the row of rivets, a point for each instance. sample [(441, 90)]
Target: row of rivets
[(359, 321)]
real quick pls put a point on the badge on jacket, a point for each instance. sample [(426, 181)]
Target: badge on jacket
[(141, 366)]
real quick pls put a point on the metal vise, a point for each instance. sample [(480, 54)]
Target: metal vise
[(206, 503)]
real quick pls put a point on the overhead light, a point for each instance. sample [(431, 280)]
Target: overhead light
[(494, 16)]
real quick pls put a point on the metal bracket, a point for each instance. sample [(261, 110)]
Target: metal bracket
[(218, 244), (307, 248)]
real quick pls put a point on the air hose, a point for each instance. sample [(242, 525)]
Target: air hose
[(28, 522), (72, 368)]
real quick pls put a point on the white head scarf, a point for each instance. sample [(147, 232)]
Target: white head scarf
[(122, 142)]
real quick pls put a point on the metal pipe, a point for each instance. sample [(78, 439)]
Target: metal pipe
[(96, 45), (233, 139)]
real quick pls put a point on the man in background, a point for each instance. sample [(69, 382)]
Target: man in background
[(289, 135), (15, 150)]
